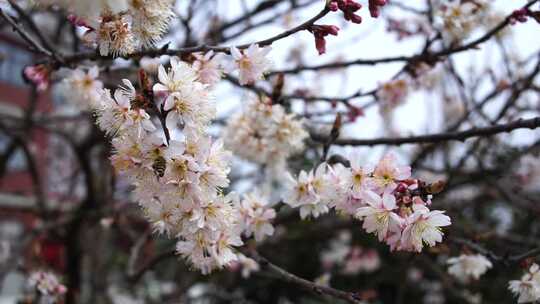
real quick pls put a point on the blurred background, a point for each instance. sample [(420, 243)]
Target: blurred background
[(63, 209)]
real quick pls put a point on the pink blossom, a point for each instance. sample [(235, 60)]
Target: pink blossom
[(423, 226), (251, 63), (387, 172), (378, 216), (208, 67), (38, 75)]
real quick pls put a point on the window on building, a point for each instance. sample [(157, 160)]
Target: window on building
[(17, 159), (12, 61)]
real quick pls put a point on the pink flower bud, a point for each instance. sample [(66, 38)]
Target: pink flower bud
[(38, 75)]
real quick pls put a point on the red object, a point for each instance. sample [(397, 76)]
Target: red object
[(375, 7), (321, 31), (53, 253), (348, 7)]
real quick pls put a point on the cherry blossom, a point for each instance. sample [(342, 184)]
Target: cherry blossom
[(208, 66), (423, 226), (251, 63), (528, 288), (46, 283), (378, 216), (86, 86), (466, 267)]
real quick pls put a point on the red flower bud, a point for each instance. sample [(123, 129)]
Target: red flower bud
[(374, 7), (320, 44), (320, 31), (348, 7), (519, 15)]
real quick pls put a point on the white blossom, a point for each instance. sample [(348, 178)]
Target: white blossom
[(466, 267), (265, 134), (423, 226), (379, 215), (528, 288), (251, 63), (150, 19), (83, 88)]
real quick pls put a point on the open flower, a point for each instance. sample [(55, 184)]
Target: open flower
[(299, 192), (423, 226), (387, 172), (84, 88), (209, 67), (528, 288), (379, 215), (251, 63), (466, 267)]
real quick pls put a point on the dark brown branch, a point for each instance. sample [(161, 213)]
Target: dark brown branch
[(532, 123), (286, 276), (505, 259), (28, 19), (29, 39)]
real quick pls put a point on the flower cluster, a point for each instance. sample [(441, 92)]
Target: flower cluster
[(177, 170), (528, 288), (47, 284), (391, 205), (457, 19), (256, 216), (467, 267), (178, 181), (186, 99), (120, 27), (265, 134)]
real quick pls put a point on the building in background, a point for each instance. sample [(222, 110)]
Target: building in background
[(18, 203)]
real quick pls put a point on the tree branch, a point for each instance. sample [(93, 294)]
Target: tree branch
[(532, 123), (284, 275)]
